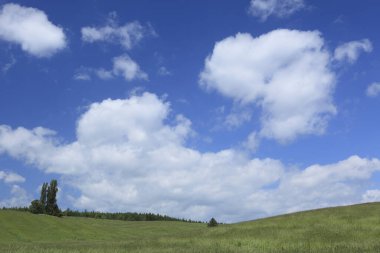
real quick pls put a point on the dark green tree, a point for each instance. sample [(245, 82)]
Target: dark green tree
[(43, 197), (36, 207), (212, 223), (51, 200)]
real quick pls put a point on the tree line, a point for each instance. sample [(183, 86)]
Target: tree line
[(128, 216), (47, 204)]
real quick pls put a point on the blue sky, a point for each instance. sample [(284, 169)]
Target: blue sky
[(232, 109)]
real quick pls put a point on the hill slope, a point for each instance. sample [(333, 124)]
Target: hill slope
[(341, 229)]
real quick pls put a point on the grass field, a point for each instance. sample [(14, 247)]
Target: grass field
[(342, 229)]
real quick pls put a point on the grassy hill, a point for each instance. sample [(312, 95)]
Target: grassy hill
[(341, 229)]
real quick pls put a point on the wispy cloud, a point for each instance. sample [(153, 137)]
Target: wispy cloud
[(351, 51), (8, 65), (373, 90), (11, 177), (163, 71), (122, 66), (263, 9), (127, 35)]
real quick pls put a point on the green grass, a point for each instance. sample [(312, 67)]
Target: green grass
[(342, 229)]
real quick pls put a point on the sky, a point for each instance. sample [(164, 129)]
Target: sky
[(195, 109)]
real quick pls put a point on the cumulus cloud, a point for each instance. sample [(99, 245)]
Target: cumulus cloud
[(278, 8), (341, 183), (11, 177), (131, 155), (31, 29), (350, 51), (127, 35), (286, 73), (36, 147), (373, 90)]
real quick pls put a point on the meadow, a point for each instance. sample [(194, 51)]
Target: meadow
[(339, 230)]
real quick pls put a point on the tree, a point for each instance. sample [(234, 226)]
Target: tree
[(43, 197), (48, 200), (51, 200), (36, 207), (212, 223)]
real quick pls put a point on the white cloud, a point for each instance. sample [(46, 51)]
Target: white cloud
[(127, 35), (131, 155), (11, 177), (350, 51), (341, 183), (286, 73), (31, 29), (371, 196), (104, 74), (354, 168), (132, 120), (373, 90), (19, 198), (123, 65), (82, 76), (279, 8)]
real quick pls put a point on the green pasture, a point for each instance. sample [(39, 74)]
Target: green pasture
[(332, 230)]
